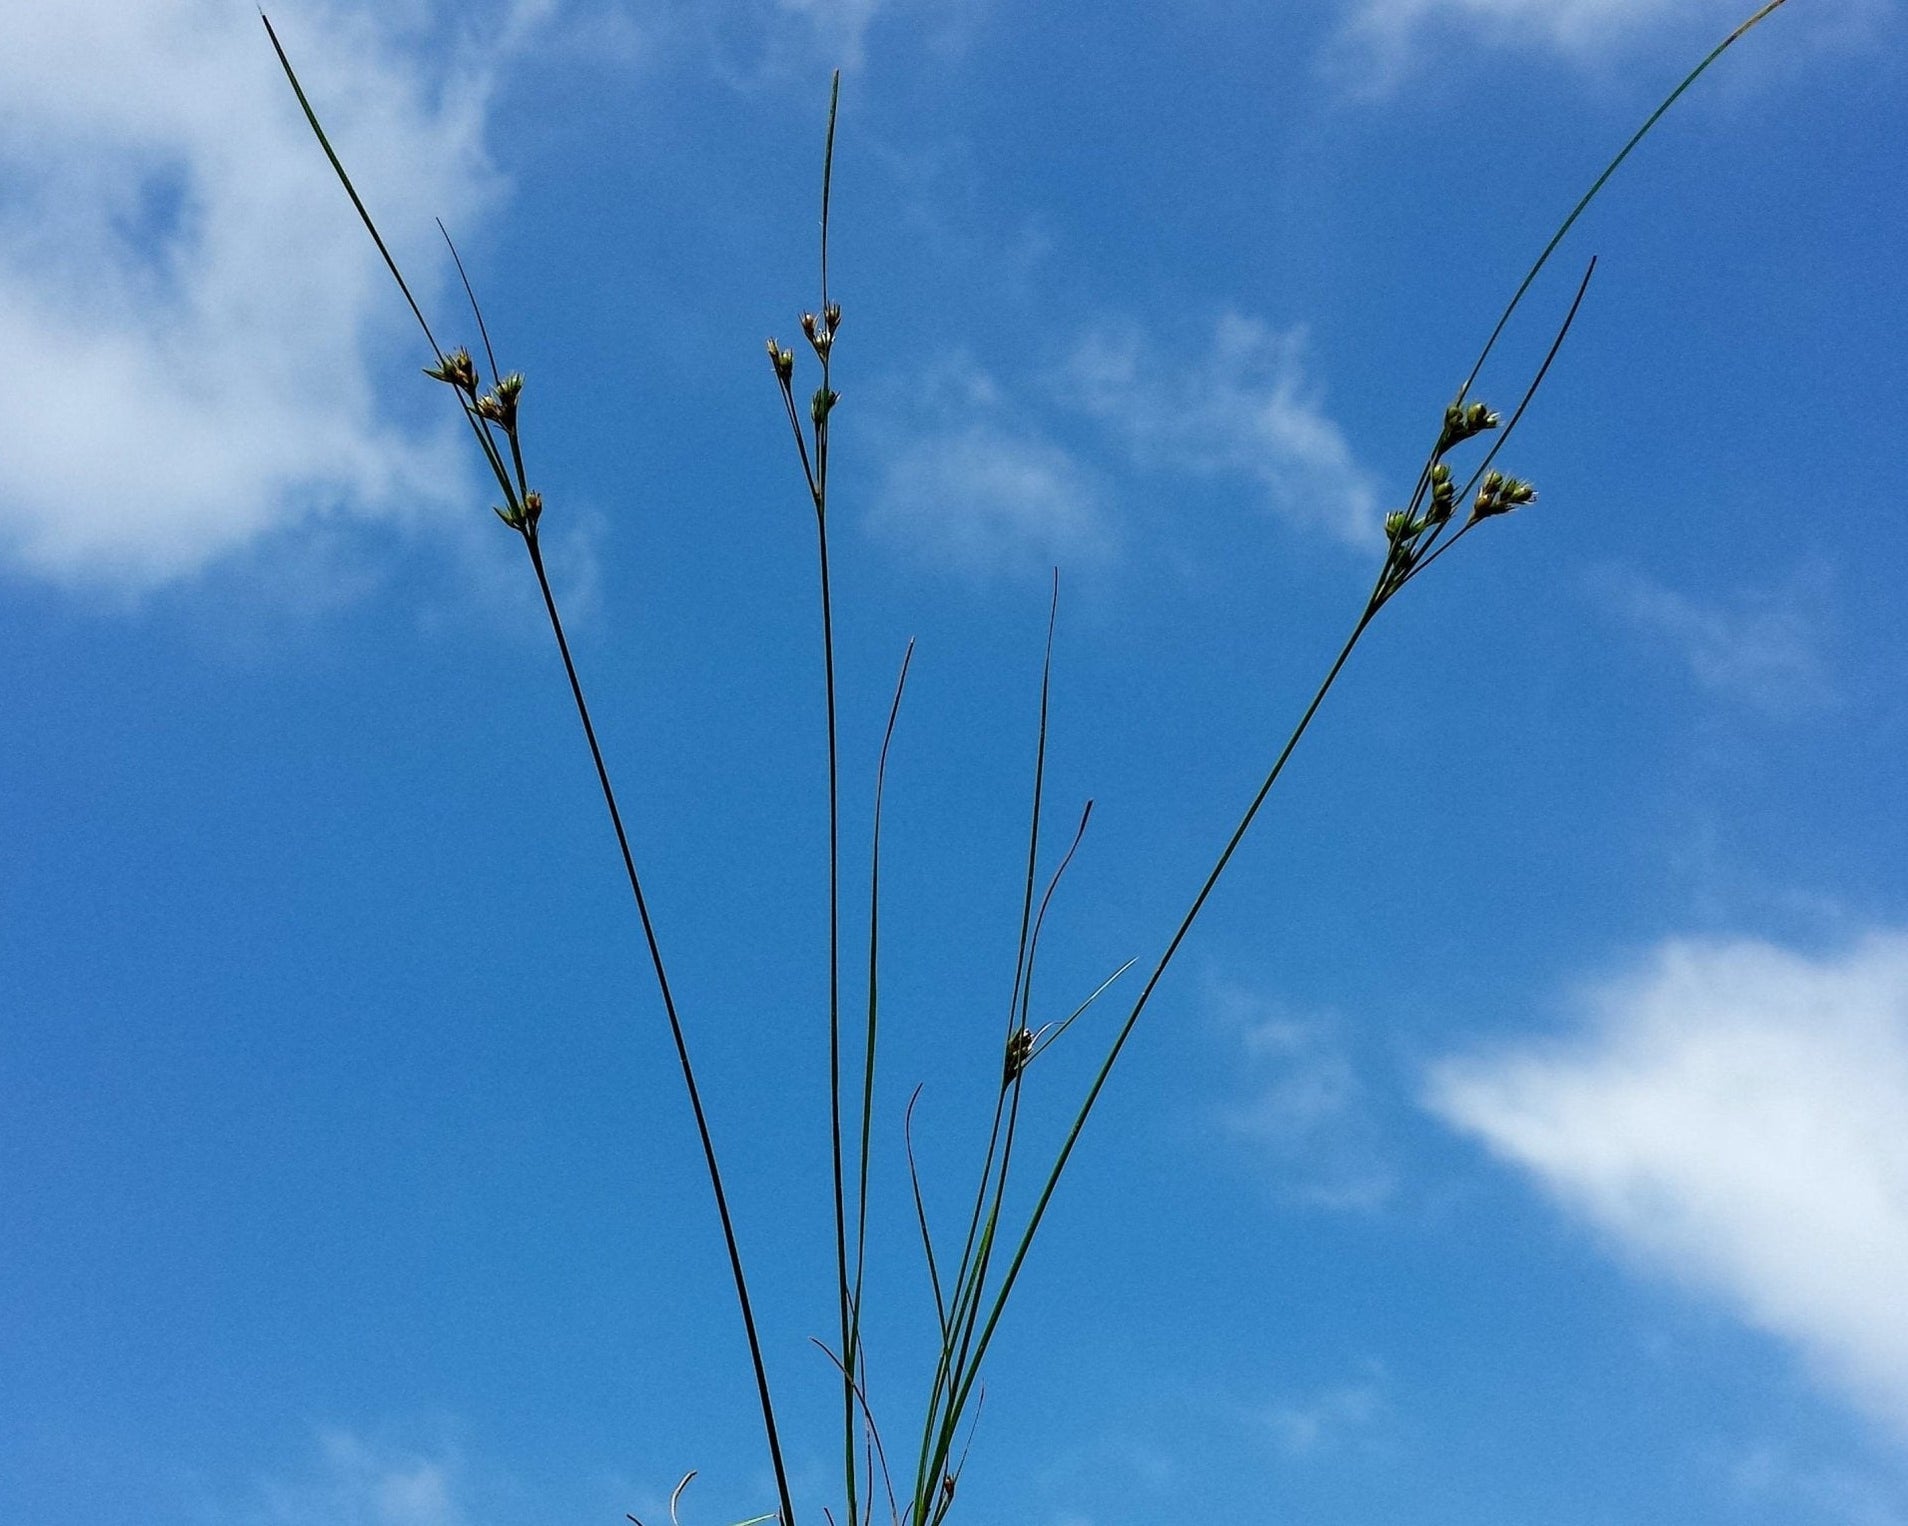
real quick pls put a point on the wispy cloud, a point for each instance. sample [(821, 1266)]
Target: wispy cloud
[(1731, 1116), (839, 28), (970, 483), (1383, 40), (185, 285), (1330, 1418), (1759, 648), (1305, 1109), (760, 42), (1245, 408), (976, 476), (1794, 1486), (1573, 26), (356, 1482)]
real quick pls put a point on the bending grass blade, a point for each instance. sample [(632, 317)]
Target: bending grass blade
[(965, 1293), (1383, 589), (526, 507), (873, 1031)]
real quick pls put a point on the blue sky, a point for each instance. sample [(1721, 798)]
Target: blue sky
[(1521, 1135)]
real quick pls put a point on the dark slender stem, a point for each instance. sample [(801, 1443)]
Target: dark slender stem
[(875, 1447), (1212, 879), (818, 485), (1429, 553), (873, 1030), (483, 329), (966, 1291), (920, 1214), (1597, 185), (675, 1030), (843, 1289), (1012, 1083), (338, 168)]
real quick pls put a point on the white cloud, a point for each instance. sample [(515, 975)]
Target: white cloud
[(1307, 1111), (188, 308), (1243, 409), (975, 487), (840, 27), (1786, 1483), (1572, 26), (1757, 648), (759, 43), (1383, 40), (1331, 1418), (975, 483), (359, 1483), (1733, 1117)]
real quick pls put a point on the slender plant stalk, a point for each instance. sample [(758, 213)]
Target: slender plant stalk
[(1417, 537), (958, 1402), (819, 412), (820, 331), (957, 1321), (1409, 552), (869, 1042), (523, 508)]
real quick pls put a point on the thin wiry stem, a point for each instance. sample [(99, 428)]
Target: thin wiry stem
[(1046, 901), (1426, 555), (1597, 185), (845, 1291), (920, 1214), (483, 329), (675, 1032), (1159, 970), (874, 1432), (1013, 1078), (515, 495), (874, 1008), (511, 432), (1387, 586), (350, 190), (966, 1291)]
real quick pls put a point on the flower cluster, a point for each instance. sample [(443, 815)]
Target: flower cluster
[(495, 408)]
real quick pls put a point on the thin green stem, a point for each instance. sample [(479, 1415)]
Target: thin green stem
[(920, 1214), (476, 308), (1597, 185), (966, 1289), (311, 117), (874, 1010), (1012, 1274), (1424, 556), (514, 495), (846, 1293), (689, 1082), (1013, 1076), (843, 1288)]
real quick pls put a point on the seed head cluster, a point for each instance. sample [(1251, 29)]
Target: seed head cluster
[(1412, 533), (495, 409), (820, 334)]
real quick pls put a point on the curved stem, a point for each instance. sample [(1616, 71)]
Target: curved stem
[(960, 1398)]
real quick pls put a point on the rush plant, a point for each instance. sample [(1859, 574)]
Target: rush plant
[(975, 1265)]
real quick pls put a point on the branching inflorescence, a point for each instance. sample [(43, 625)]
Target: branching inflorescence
[(972, 1290)]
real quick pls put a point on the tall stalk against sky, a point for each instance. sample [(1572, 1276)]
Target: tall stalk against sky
[(819, 329), (493, 415), (971, 1298), (1416, 537)]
